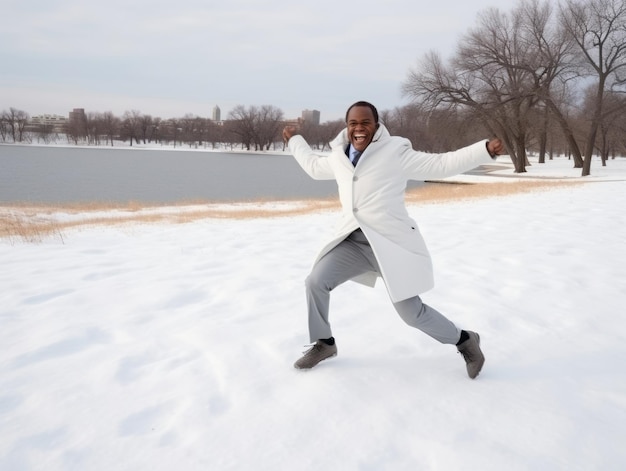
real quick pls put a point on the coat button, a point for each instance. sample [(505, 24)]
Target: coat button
[(355, 178), (355, 210)]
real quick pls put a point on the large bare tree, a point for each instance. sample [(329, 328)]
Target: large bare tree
[(490, 75), (553, 66), (598, 27)]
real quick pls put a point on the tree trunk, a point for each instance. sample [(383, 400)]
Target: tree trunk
[(567, 131), (593, 129), (520, 150), (543, 137), (543, 145)]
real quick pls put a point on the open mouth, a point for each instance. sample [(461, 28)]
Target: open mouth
[(359, 138)]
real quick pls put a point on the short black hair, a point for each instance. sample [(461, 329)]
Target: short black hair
[(364, 103)]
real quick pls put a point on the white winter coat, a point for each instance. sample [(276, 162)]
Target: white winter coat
[(372, 198)]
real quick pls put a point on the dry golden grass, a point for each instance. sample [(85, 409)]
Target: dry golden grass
[(456, 191), (33, 223)]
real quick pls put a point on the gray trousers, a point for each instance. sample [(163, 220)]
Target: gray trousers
[(353, 257)]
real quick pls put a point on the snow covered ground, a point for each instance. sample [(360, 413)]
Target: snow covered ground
[(170, 346)]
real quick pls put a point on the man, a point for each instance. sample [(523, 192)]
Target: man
[(375, 235)]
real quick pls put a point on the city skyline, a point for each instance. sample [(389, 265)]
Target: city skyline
[(48, 118)]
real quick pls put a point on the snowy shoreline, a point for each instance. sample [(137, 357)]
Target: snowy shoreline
[(149, 146)]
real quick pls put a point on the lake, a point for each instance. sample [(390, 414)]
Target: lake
[(61, 175)]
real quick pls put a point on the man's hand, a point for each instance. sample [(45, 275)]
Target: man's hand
[(495, 147), (289, 132)]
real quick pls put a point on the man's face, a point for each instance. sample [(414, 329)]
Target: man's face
[(361, 127)]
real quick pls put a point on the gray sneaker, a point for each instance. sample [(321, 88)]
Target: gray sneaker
[(473, 356), (318, 352)]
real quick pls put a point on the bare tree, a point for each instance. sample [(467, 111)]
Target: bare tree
[(4, 126), (618, 131), (518, 72), (320, 135), (131, 126), (436, 130), (194, 130), (44, 132), (95, 128), (155, 130), (173, 130), (487, 78), (187, 124), (553, 66), (15, 122), (110, 126), (410, 122), (256, 126), (598, 27), (614, 104), (268, 123), (230, 133), (243, 124), (145, 126)]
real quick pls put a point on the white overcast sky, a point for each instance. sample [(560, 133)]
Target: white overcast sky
[(168, 58)]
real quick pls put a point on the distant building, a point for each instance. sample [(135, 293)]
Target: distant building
[(77, 115), (55, 122), (77, 124), (311, 116), (217, 113)]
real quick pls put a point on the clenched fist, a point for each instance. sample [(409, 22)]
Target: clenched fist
[(289, 132), (495, 147)]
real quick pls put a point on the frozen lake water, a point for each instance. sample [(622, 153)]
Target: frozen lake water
[(49, 174)]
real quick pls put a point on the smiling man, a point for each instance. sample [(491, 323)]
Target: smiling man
[(375, 236)]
